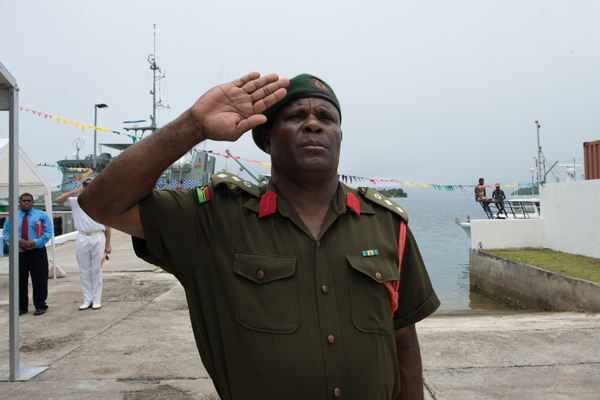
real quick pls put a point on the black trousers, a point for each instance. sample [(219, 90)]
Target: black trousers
[(33, 262)]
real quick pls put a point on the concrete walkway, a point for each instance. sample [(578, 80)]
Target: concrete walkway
[(140, 344)]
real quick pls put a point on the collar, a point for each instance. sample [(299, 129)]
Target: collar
[(345, 199)]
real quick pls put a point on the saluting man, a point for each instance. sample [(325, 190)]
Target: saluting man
[(303, 288), (92, 244)]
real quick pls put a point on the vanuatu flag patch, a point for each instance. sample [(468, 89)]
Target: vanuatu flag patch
[(203, 194)]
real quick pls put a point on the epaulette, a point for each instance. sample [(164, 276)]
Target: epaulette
[(234, 182), (377, 198)]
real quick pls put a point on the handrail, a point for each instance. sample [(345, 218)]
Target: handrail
[(512, 209)]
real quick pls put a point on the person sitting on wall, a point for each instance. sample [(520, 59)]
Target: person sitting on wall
[(499, 197)]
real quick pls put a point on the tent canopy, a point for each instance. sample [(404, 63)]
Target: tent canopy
[(30, 178)]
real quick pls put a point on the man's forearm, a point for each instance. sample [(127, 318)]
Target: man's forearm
[(63, 197), (409, 364), (223, 113), (131, 176), (107, 234)]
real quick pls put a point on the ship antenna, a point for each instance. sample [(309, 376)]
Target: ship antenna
[(155, 104)]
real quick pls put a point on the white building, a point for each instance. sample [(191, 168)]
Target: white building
[(570, 222)]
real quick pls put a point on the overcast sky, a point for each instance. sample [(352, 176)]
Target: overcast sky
[(437, 92)]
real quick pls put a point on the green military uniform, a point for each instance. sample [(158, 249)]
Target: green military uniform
[(277, 314)]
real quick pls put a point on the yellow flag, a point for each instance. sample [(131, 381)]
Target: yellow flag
[(76, 125)]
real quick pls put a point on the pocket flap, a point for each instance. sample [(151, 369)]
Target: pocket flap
[(377, 268), (264, 268)]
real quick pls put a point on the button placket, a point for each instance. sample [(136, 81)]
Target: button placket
[(333, 351)]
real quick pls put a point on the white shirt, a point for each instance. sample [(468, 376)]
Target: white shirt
[(82, 222)]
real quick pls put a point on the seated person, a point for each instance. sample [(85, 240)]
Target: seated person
[(481, 196), (498, 196)]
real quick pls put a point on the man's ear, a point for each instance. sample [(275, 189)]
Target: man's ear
[(266, 138)]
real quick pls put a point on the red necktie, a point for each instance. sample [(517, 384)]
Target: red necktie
[(25, 229)]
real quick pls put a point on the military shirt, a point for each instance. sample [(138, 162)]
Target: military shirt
[(277, 313)]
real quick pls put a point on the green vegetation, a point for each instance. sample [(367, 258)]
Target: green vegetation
[(567, 264), (526, 191), (392, 192)]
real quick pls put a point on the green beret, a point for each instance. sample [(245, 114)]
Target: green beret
[(303, 85)]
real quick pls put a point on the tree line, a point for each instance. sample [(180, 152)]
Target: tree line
[(392, 192)]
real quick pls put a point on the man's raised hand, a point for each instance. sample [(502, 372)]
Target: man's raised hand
[(228, 110)]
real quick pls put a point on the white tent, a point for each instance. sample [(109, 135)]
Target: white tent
[(31, 180)]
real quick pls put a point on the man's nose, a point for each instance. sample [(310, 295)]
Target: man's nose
[(312, 124)]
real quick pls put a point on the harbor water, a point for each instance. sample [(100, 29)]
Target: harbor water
[(445, 246)]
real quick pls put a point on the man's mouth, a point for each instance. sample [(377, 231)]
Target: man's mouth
[(313, 144)]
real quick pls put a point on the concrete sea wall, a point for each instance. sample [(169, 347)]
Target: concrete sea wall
[(524, 286)]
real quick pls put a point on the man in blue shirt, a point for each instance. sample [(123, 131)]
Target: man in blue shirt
[(33, 258)]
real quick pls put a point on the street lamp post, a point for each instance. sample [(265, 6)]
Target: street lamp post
[(532, 171), (96, 107), (539, 158)]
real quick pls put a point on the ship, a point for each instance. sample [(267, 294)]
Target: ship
[(193, 170)]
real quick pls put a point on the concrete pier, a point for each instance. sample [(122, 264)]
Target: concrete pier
[(140, 345), (527, 287)]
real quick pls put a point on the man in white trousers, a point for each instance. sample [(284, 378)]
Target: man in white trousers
[(93, 244)]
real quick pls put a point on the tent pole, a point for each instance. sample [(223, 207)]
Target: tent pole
[(10, 93)]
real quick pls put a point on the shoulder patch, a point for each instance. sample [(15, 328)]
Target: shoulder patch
[(203, 194), (233, 181), (377, 198)]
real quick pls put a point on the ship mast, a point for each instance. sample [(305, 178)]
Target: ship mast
[(155, 104)]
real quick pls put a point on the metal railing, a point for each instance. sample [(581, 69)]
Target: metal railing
[(512, 209)]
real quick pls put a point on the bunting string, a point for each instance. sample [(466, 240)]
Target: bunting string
[(73, 182), (414, 185), (344, 178), (76, 124), (266, 165)]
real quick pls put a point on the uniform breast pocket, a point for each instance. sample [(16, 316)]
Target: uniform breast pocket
[(266, 292), (371, 310)]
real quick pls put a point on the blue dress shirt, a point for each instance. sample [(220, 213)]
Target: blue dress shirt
[(33, 218)]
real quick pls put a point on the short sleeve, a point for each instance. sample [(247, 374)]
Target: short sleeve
[(416, 297), (174, 224)]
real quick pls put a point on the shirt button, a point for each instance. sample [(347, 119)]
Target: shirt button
[(337, 392), (331, 339), (325, 289), (378, 276), (319, 244), (260, 274)]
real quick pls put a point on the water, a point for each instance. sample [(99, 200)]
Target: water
[(445, 248)]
